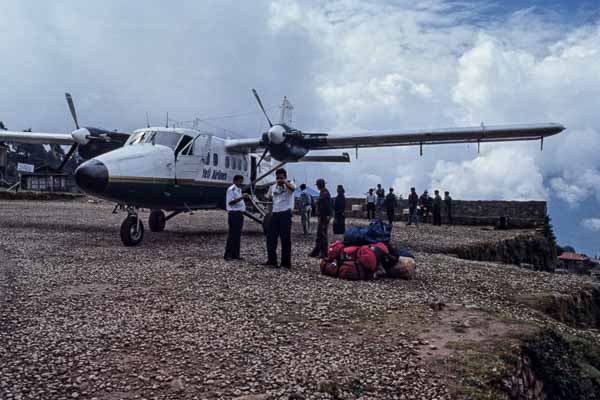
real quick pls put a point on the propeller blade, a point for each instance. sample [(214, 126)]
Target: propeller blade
[(261, 106), (68, 156), (263, 156), (72, 108)]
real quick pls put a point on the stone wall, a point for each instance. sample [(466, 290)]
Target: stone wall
[(531, 251), (521, 214)]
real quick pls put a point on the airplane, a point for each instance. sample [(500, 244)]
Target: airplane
[(180, 170)]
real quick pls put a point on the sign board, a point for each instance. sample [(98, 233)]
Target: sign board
[(22, 167)]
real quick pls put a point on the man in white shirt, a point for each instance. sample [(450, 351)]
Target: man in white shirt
[(280, 224), (234, 201), (371, 198)]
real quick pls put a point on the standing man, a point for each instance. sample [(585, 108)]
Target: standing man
[(380, 192), (437, 208), (390, 206), (324, 210), (280, 224), (305, 208), (425, 206), (371, 198), (413, 202), (448, 202), (234, 203)]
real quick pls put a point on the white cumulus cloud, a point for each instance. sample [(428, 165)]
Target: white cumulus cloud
[(501, 173), (592, 224)]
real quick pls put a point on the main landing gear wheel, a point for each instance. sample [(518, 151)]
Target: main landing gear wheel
[(157, 221), (132, 231)]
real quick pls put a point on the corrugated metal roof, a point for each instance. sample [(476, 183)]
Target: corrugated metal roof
[(572, 257)]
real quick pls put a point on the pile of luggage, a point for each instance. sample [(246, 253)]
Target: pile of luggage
[(366, 254)]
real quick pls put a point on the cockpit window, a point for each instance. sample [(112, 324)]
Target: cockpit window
[(136, 138), (168, 139)]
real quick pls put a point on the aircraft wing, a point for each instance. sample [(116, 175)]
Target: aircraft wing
[(497, 133), (36, 137)]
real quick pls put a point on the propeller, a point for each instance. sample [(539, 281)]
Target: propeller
[(265, 137), (72, 108), (79, 135), (262, 107), (280, 133)]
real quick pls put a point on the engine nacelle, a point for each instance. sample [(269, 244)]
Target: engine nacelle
[(276, 134), (287, 151), (101, 141)]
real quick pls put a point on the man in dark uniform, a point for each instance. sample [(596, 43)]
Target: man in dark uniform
[(448, 202), (380, 193), (390, 205), (425, 205), (234, 202), (437, 208), (413, 202), (324, 211)]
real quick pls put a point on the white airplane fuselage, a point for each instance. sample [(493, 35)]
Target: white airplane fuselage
[(167, 168)]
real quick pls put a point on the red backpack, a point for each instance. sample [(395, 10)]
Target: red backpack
[(330, 268), (369, 256), (353, 271), (335, 250), (349, 253)]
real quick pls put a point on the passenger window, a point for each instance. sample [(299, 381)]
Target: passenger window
[(226, 161), (239, 164), (215, 159), (207, 160), (245, 164)]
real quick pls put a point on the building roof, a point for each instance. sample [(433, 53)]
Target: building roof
[(568, 256)]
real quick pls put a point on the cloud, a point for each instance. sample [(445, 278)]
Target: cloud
[(501, 174), (345, 65), (592, 224), (577, 186)]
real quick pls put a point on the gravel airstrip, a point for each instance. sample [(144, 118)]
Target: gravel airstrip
[(83, 317)]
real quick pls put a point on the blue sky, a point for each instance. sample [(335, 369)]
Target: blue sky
[(345, 65)]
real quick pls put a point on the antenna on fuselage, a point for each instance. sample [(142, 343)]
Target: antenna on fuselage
[(167, 124), (147, 121)]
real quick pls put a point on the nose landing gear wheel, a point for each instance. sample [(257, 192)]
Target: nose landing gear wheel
[(157, 221), (132, 231)]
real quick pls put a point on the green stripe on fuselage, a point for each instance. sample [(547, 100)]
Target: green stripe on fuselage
[(165, 194)]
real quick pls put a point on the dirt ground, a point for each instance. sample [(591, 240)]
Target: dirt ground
[(82, 316)]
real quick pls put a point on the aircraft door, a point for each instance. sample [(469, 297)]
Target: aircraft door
[(187, 164)]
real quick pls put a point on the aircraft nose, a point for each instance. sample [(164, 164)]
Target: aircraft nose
[(92, 176)]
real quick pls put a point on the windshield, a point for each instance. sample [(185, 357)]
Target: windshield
[(168, 139), (136, 138)]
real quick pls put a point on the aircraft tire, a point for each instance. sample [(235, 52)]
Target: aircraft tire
[(130, 235), (157, 221), (265, 223)]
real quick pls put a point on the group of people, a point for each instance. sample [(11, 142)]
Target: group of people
[(279, 224), (378, 200), (419, 207)]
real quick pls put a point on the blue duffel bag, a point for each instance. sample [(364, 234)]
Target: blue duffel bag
[(376, 232)]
